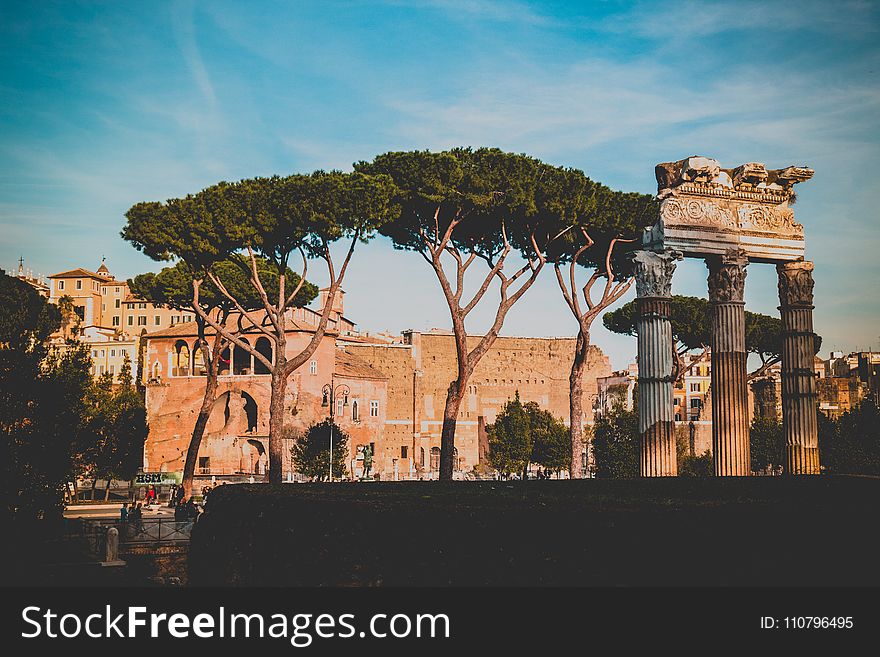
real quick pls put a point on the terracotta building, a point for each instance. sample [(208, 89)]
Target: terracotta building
[(111, 319), (397, 390)]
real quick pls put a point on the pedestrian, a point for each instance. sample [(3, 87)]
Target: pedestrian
[(123, 514)]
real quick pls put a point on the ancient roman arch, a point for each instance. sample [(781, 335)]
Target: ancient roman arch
[(730, 218)]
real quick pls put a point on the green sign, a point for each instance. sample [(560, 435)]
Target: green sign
[(157, 478)]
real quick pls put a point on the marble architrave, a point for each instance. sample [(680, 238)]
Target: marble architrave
[(706, 210)]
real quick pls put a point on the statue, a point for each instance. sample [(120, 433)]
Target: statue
[(111, 548), (368, 460)]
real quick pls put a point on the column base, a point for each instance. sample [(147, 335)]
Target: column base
[(801, 460), (658, 453)]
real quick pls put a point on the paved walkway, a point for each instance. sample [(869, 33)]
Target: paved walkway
[(112, 511)]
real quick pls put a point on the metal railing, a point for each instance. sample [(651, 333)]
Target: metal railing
[(155, 532)]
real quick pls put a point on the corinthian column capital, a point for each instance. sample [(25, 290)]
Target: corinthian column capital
[(653, 272), (727, 276), (795, 283)]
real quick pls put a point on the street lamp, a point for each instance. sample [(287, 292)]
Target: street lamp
[(330, 395)]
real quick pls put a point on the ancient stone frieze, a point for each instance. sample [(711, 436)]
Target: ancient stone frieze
[(697, 211), (653, 272), (727, 215), (778, 219), (727, 277), (795, 283)]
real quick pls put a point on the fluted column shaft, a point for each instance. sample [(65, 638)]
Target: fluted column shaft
[(799, 396), (730, 418), (653, 273)]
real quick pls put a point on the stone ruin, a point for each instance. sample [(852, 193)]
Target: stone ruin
[(729, 218)]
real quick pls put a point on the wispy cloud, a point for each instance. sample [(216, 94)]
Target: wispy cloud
[(182, 13), (688, 19)]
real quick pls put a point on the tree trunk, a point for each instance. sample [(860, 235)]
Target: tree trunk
[(75, 491), (454, 398), (107, 489), (276, 421), (195, 441), (94, 485), (575, 402)]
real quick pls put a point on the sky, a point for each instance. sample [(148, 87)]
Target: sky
[(106, 104)]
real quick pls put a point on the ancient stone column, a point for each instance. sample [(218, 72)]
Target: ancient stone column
[(799, 397), (653, 274), (730, 413)]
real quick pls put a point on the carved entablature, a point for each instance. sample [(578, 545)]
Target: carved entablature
[(795, 283), (653, 272), (707, 210)]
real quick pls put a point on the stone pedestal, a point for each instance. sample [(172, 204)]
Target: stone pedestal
[(799, 397), (653, 274), (730, 417)]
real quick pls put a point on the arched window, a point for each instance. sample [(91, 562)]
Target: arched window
[(355, 411), (421, 457), (241, 360), (181, 359), (264, 347), (435, 458), (199, 368), (225, 361), (455, 460), (250, 409)]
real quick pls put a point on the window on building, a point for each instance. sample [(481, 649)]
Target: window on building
[(117, 303), (313, 367), (112, 369), (142, 320), (157, 320), (60, 285), (79, 284), (374, 408), (131, 320), (340, 406), (678, 417), (264, 347), (403, 451), (355, 411), (116, 320), (677, 401), (103, 307), (112, 353), (695, 387), (435, 458), (117, 290), (695, 403), (100, 370), (205, 464), (102, 353), (181, 359)]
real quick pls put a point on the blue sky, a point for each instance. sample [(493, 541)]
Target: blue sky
[(107, 104)]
